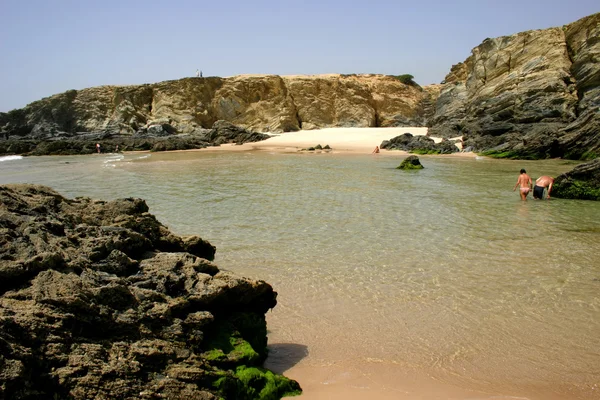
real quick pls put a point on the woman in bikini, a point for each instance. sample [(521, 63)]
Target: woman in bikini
[(524, 181)]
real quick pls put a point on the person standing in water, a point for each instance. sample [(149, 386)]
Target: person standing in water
[(542, 183), (524, 183)]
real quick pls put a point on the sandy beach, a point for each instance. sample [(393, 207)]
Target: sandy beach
[(341, 140)]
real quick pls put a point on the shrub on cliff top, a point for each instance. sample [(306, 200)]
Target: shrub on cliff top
[(407, 79)]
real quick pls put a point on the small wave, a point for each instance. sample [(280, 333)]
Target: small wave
[(142, 157), (10, 158), (113, 158)]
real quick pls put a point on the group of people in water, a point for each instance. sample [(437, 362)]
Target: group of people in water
[(525, 185)]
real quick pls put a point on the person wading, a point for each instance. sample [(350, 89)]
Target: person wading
[(542, 183), (524, 183)]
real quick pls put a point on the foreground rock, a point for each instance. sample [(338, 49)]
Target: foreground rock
[(409, 163), (582, 182), (99, 300)]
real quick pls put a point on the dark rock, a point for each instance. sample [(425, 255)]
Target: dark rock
[(93, 306), (582, 182), (160, 130), (419, 145), (410, 162)]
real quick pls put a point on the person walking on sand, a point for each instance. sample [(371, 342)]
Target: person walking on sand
[(524, 183), (98, 147), (542, 183), (376, 150)]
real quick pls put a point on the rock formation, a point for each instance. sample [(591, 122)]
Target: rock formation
[(268, 103), (410, 163), (155, 138), (535, 94), (582, 182), (419, 144), (99, 300)]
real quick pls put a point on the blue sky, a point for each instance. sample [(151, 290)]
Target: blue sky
[(50, 46)]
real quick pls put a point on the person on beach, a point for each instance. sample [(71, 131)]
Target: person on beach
[(376, 150), (524, 183), (116, 148), (98, 147), (542, 183)]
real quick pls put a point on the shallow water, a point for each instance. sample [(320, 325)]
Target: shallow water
[(442, 271)]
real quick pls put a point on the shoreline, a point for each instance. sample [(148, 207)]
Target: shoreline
[(341, 141)]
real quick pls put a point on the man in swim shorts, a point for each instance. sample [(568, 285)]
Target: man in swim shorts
[(542, 183), (524, 183)]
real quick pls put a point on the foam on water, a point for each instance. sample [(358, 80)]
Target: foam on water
[(10, 158)]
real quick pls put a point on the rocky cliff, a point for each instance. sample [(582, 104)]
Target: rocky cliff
[(98, 300), (535, 94), (268, 103)]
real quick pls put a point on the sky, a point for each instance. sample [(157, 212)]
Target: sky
[(50, 46)]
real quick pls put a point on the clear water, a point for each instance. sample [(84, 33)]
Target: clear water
[(443, 270)]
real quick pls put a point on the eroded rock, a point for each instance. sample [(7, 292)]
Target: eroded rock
[(93, 306)]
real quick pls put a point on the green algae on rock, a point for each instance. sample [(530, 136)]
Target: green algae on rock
[(582, 182), (409, 163)]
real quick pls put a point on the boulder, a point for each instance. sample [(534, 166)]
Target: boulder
[(582, 182), (419, 144), (410, 163), (99, 300)]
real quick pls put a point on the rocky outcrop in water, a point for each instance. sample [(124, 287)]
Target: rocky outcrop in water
[(535, 94), (419, 144), (582, 182), (410, 163), (99, 300)]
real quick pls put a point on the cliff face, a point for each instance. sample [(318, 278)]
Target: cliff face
[(267, 103), (533, 94)]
